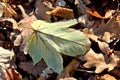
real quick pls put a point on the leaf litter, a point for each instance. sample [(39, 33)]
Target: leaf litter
[(99, 21)]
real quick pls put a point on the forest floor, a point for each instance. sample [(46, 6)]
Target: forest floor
[(99, 20)]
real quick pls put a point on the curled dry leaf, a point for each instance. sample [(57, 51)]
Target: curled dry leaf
[(5, 57), (104, 47), (95, 14), (98, 61), (62, 12)]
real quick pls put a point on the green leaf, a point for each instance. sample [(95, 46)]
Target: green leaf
[(55, 38), (40, 48), (35, 48)]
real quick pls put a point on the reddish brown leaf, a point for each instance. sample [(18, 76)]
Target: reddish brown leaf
[(12, 74), (8, 10), (69, 70), (95, 14), (62, 12), (33, 69)]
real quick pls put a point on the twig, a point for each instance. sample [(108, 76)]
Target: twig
[(69, 69)]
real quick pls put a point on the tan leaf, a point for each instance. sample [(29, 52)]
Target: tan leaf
[(108, 77), (8, 10), (25, 33), (109, 13), (68, 78), (118, 18), (106, 37), (62, 12), (104, 47), (98, 60)]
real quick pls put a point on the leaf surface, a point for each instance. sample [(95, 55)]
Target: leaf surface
[(51, 39)]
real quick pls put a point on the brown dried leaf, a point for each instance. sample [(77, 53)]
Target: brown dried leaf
[(68, 78), (62, 12), (8, 10), (40, 11), (118, 18), (106, 37), (104, 47), (5, 57), (33, 69), (108, 77), (112, 26), (69, 69), (22, 39), (95, 14), (12, 74), (99, 61)]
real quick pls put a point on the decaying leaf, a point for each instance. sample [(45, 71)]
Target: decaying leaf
[(40, 11), (118, 18), (68, 70), (108, 77), (5, 57), (106, 37), (35, 70), (12, 74), (62, 12), (8, 10), (22, 39), (104, 47), (46, 73), (68, 78), (98, 61), (94, 13)]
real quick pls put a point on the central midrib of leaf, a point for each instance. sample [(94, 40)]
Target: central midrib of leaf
[(58, 37), (45, 44)]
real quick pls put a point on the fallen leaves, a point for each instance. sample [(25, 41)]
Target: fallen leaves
[(35, 70), (12, 74), (98, 60), (99, 22), (68, 70), (62, 12), (94, 13)]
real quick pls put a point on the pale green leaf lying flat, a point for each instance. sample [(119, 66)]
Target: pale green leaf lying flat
[(40, 48), (35, 48), (43, 25), (54, 38)]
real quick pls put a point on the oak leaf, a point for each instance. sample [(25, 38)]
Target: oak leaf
[(99, 61)]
